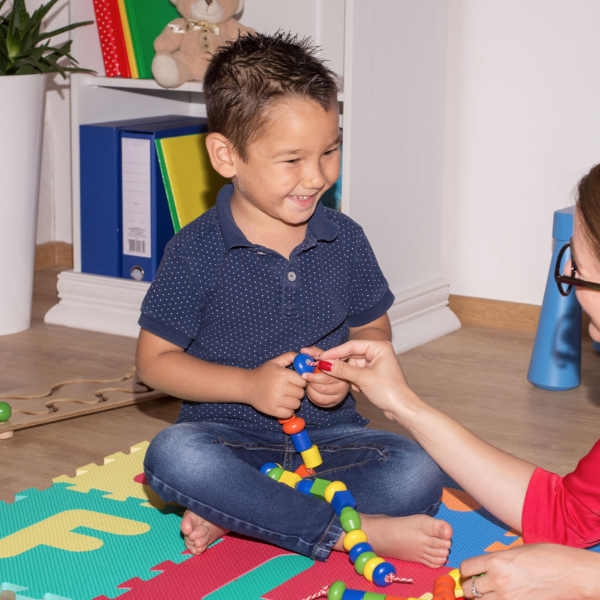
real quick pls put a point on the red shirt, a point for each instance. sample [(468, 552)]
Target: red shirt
[(565, 510)]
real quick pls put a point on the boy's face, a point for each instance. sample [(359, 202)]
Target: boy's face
[(291, 165)]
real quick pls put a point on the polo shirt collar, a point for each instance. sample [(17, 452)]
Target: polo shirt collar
[(322, 228)]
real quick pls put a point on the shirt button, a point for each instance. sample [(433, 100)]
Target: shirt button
[(291, 276)]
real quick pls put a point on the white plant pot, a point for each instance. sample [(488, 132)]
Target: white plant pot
[(22, 104)]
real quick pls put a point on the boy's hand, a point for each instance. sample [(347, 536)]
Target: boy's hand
[(275, 390), (323, 390)]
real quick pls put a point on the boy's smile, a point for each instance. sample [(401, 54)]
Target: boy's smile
[(293, 162)]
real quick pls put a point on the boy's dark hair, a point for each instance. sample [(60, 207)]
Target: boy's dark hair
[(247, 76)]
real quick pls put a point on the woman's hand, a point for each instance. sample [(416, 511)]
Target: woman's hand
[(534, 572), (372, 369)]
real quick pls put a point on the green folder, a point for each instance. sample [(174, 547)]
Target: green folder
[(147, 19)]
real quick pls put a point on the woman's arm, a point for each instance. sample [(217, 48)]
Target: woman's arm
[(496, 479)]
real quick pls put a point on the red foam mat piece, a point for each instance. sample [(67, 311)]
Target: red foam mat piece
[(339, 567), (201, 575)]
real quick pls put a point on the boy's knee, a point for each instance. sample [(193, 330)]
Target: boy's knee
[(174, 453)]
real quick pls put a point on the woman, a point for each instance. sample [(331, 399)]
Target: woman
[(557, 515)]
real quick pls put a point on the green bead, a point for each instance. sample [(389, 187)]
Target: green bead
[(5, 412), (319, 487), (361, 561), (349, 519), (275, 473), (374, 596), (336, 590)]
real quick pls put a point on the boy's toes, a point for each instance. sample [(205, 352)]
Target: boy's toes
[(439, 529), (434, 562)]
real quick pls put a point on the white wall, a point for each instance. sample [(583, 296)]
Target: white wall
[(522, 125), (54, 214)]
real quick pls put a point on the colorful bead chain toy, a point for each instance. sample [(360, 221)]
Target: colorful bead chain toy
[(443, 589), (366, 562)]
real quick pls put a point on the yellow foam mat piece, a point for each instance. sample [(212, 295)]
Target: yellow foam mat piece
[(116, 476)]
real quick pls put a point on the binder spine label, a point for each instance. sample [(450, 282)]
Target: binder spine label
[(137, 196)]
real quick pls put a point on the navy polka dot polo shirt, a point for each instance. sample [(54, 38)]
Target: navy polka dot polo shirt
[(231, 302)]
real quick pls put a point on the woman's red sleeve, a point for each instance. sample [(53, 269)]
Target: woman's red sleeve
[(565, 510)]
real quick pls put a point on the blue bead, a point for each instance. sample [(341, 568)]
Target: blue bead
[(300, 364), (304, 486), (358, 549), (353, 595), (301, 441), (267, 467), (380, 572), (342, 499)]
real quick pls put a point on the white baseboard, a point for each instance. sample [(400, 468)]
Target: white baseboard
[(112, 305), (421, 314), (96, 303)]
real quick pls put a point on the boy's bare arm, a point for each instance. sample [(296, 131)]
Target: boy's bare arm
[(379, 329), (271, 388)]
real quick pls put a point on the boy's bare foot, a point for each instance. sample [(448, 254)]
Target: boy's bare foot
[(418, 538), (198, 533)]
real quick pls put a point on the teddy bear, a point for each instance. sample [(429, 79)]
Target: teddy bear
[(185, 45)]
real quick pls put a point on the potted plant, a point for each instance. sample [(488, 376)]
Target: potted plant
[(26, 61)]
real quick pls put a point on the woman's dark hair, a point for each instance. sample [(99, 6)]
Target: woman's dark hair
[(247, 76), (588, 205)]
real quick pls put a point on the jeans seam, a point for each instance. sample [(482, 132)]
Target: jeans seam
[(382, 450), (318, 544), (337, 469), (249, 445)]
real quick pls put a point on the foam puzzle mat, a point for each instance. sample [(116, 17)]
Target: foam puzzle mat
[(104, 534)]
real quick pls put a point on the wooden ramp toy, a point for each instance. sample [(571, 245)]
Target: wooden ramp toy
[(45, 403)]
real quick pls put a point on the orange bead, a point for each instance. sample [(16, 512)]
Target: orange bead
[(296, 425), (445, 579), (282, 421), (444, 595), (438, 587)]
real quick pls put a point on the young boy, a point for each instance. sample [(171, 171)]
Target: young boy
[(266, 273)]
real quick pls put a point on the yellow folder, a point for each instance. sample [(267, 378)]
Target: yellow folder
[(190, 181)]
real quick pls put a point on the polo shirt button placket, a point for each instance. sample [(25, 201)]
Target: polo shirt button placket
[(290, 308)]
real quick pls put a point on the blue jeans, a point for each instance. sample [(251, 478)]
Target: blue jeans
[(213, 469)]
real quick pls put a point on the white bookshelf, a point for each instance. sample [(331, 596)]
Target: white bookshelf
[(392, 115)]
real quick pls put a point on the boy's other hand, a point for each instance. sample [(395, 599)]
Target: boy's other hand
[(324, 390), (275, 390)]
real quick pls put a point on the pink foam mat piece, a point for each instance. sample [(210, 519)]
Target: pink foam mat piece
[(338, 567), (201, 575)]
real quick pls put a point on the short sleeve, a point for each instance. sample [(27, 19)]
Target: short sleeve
[(564, 510), (173, 303), (370, 295)]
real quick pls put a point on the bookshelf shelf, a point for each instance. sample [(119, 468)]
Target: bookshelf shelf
[(137, 84), (148, 84), (394, 73)]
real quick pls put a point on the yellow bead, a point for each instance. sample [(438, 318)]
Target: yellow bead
[(312, 457), (332, 488), (370, 567), (290, 479), (356, 536), (455, 574)]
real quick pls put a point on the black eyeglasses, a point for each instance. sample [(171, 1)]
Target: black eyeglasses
[(562, 280)]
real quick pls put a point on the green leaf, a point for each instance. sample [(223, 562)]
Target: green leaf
[(50, 34)]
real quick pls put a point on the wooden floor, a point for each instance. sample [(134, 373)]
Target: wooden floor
[(476, 375)]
